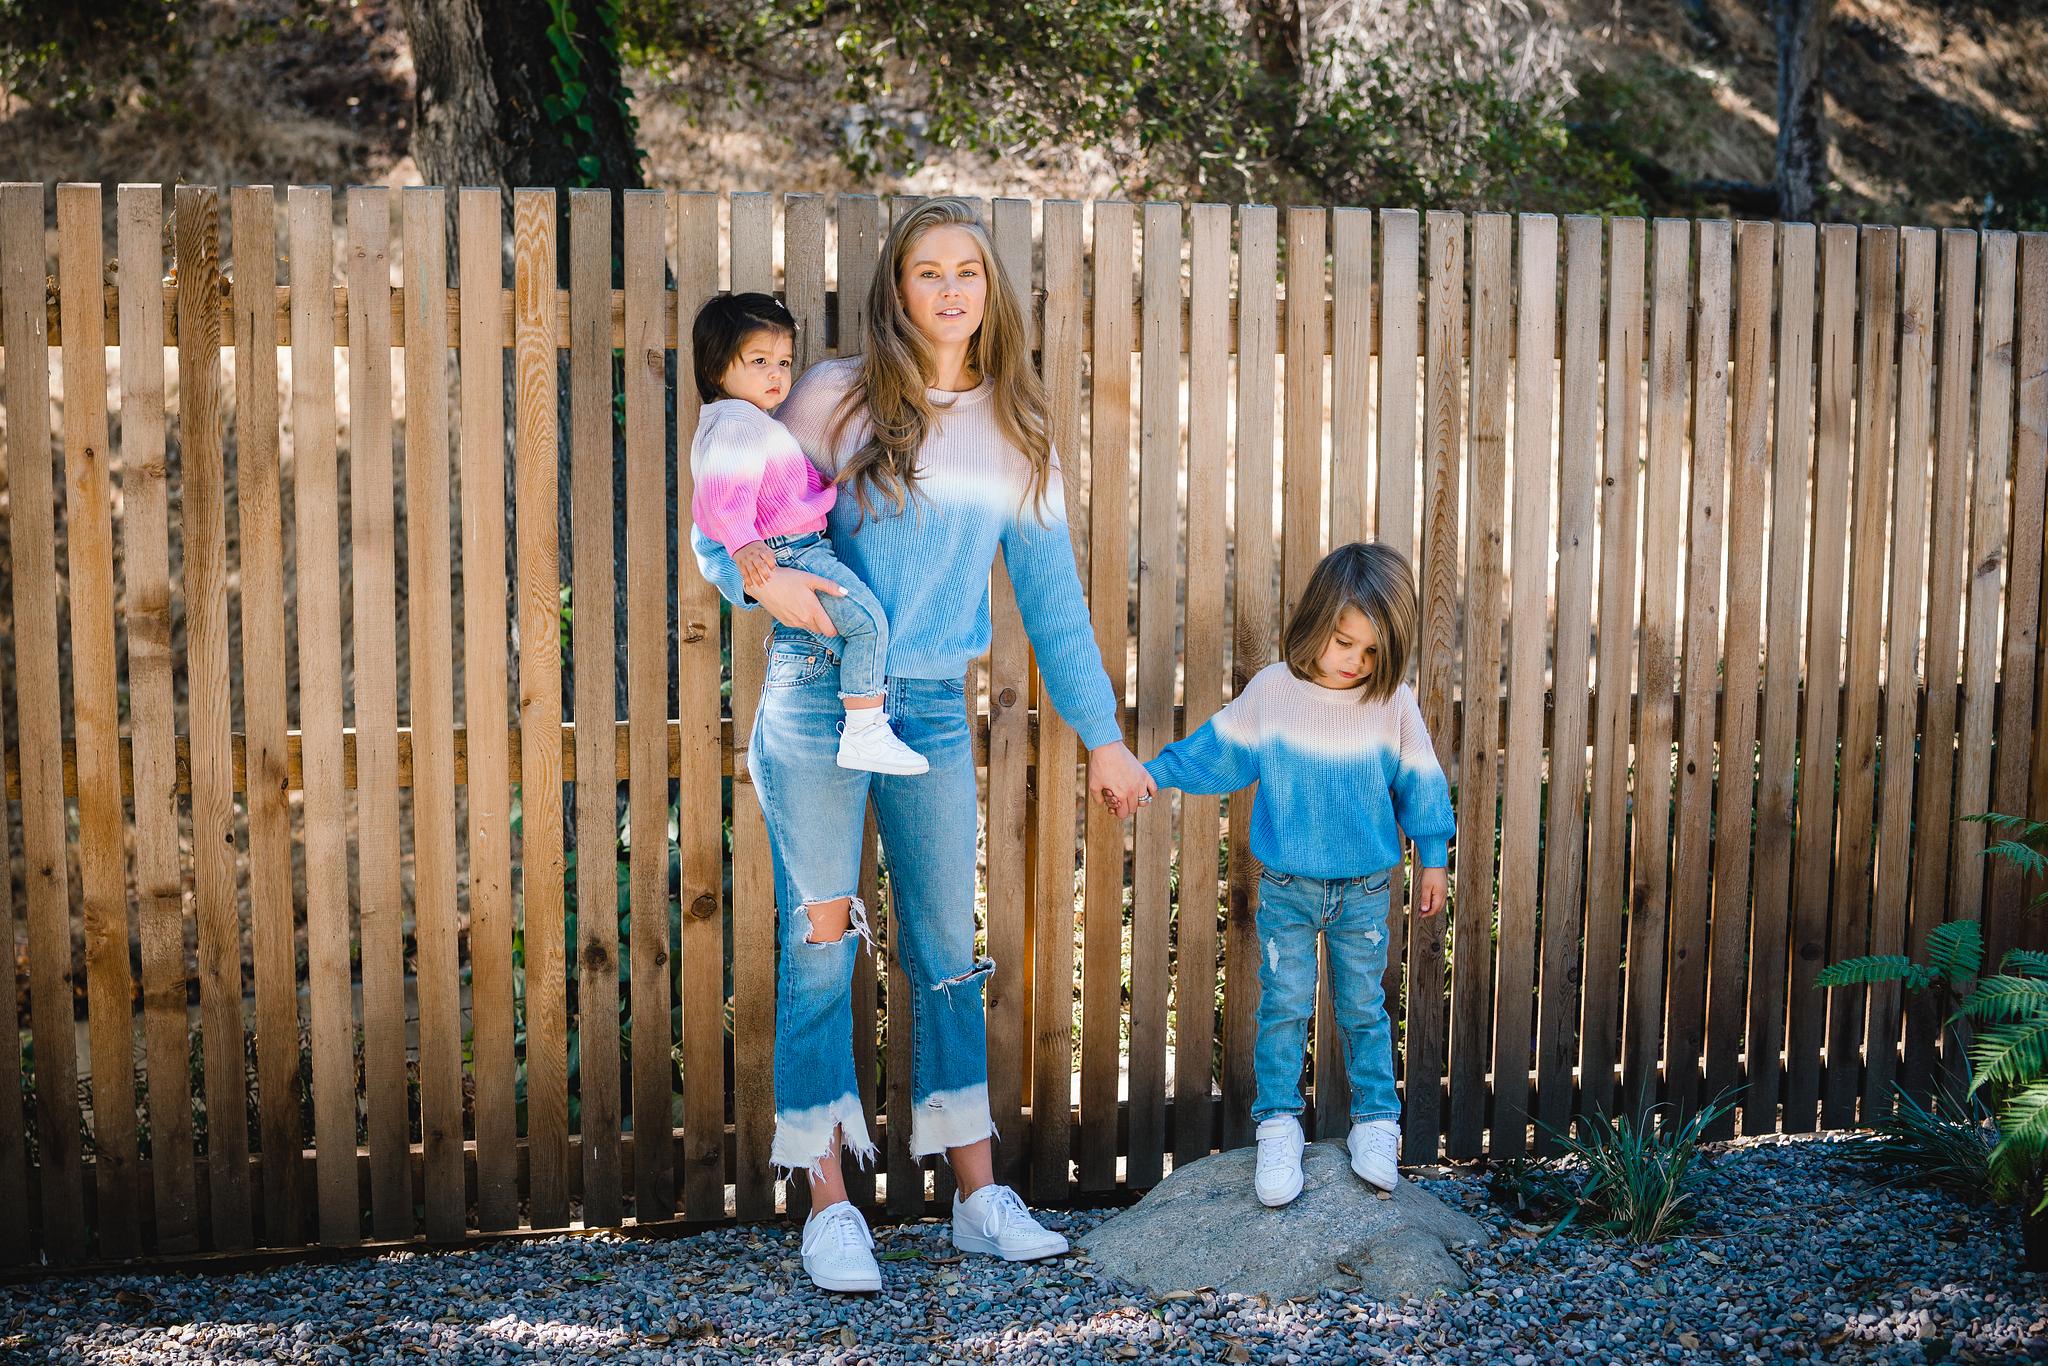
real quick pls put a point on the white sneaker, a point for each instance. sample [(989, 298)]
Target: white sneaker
[(1279, 1173), (994, 1220), (838, 1250), (1375, 1148), (876, 748)]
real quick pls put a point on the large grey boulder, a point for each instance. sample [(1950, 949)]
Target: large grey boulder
[(1204, 1228)]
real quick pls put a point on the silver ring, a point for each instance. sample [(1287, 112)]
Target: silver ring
[(1143, 800)]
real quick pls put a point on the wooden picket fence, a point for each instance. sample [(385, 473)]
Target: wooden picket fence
[(1766, 491)]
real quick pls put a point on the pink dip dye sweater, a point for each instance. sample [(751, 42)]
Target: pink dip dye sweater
[(753, 480)]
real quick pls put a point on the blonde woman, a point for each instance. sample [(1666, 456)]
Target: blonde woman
[(938, 440)]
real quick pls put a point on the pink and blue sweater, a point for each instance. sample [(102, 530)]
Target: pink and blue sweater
[(752, 479), (1339, 778)]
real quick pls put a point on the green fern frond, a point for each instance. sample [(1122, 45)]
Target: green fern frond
[(1999, 820), (2025, 963), (2008, 998), (1870, 971), (1956, 949), (2023, 1126), (2010, 1052), (2026, 857)]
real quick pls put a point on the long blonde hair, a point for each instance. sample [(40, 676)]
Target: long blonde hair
[(896, 369)]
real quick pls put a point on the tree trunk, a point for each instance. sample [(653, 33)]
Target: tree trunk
[(482, 90), (1802, 127), (1276, 33)]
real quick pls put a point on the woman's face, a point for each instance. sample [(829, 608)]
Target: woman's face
[(944, 285)]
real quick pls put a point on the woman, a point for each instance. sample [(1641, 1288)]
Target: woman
[(938, 439)]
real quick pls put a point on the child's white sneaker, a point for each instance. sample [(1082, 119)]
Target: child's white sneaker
[(1279, 1172), (994, 1220), (1375, 1149), (875, 748), (838, 1250)]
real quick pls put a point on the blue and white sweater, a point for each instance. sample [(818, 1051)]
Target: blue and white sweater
[(929, 563), (1339, 778)]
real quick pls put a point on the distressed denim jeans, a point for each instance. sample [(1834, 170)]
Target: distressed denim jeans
[(816, 813), (1351, 916), (862, 645)]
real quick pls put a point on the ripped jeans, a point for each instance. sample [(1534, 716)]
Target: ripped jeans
[(816, 812), (1350, 914)]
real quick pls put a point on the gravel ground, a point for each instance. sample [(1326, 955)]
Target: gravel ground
[(1798, 1258)]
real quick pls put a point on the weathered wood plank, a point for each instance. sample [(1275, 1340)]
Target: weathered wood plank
[(96, 713), (486, 715), (1856, 771), (159, 869), (203, 519), (593, 643), (542, 862), (1564, 870)]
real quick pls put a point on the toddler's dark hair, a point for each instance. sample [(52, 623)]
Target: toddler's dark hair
[(722, 328)]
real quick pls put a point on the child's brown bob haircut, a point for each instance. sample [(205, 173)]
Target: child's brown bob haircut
[(721, 330), (1377, 580)]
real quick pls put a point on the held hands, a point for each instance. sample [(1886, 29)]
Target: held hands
[(756, 562), (791, 597), (1432, 891), (1118, 780)]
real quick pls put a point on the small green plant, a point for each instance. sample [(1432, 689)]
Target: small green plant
[(1623, 1178), (2000, 1023), (1945, 1144)]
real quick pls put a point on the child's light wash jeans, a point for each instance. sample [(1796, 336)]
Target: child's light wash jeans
[(863, 641), (1351, 916), (816, 812)]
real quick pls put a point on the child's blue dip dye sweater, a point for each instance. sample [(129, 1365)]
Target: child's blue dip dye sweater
[(1335, 773), (929, 564)]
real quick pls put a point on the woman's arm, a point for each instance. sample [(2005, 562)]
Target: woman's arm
[(1040, 560), (790, 595)]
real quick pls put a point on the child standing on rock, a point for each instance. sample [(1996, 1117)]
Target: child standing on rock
[(1334, 738)]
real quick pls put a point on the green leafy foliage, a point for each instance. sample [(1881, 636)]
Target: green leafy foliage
[(1946, 1144), (1423, 112), (2001, 1022), (568, 108)]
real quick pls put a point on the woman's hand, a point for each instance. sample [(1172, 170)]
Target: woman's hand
[(1432, 891), (1118, 780), (791, 597)]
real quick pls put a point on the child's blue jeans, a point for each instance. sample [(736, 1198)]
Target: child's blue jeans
[(1351, 915), (863, 627)]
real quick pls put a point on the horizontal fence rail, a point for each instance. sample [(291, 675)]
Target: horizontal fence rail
[(382, 863)]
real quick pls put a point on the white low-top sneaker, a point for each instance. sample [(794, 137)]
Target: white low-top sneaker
[(1278, 1178), (993, 1220), (1375, 1149), (838, 1250), (876, 748)]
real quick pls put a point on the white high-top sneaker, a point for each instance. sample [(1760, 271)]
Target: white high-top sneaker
[(876, 748), (1375, 1149), (838, 1250), (995, 1221), (1279, 1172)]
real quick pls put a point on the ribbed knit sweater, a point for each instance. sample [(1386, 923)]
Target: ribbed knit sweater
[(929, 563), (1339, 778), (752, 480)]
